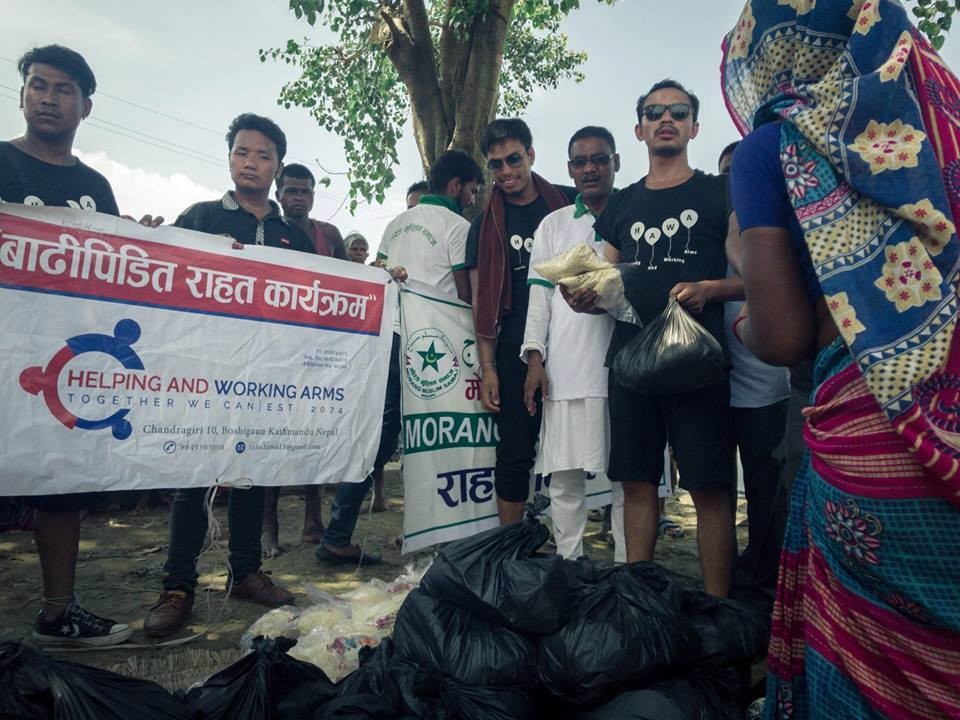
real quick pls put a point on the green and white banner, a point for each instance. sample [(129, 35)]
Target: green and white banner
[(448, 439)]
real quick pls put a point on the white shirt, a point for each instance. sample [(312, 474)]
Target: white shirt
[(430, 242), (753, 383), (573, 345)]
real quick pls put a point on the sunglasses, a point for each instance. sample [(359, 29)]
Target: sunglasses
[(678, 111), (579, 161), (513, 160)]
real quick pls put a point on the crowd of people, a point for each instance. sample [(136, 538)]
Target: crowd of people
[(781, 256)]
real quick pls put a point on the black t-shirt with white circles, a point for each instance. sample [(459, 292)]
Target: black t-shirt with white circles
[(668, 236), (28, 181)]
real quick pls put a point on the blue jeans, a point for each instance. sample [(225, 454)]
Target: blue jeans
[(350, 496), (188, 527)]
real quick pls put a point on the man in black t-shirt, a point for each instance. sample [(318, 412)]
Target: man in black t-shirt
[(498, 256), (249, 217), (671, 227), (39, 168)]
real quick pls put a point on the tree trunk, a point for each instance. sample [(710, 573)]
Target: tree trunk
[(406, 40), (451, 106)]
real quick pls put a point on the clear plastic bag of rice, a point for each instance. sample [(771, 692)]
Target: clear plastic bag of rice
[(580, 268), (279, 622), (577, 260), (324, 615), (336, 654)]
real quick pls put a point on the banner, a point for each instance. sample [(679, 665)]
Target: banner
[(448, 439), (139, 358)]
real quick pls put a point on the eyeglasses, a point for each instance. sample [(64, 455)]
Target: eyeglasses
[(513, 160), (579, 161), (678, 111)]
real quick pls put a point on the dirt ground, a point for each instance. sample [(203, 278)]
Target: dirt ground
[(121, 560)]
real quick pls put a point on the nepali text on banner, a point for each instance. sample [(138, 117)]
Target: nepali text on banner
[(151, 358), (448, 439)]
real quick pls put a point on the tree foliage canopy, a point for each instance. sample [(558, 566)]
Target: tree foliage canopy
[(455, 64)]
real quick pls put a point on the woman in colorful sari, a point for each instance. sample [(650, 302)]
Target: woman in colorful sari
[(846, 188)]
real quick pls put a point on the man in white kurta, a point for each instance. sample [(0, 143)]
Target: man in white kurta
[(565, 352)]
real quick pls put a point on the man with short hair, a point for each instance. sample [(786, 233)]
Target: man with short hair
[(415, 191), (672, 224), (256, 149), (428, 241), (39, 168), (498, 255), (295, 192), (564, 350), (425, 243)]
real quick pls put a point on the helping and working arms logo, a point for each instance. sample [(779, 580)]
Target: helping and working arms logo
[(36, 380)]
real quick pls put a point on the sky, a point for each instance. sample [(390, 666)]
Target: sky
[(172, 75)]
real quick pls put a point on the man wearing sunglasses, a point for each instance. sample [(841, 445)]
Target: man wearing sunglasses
[(498, 255), (565, 351), (671, 226)]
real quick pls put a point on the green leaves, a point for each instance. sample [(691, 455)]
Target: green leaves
[(351, 88), (934, 18)]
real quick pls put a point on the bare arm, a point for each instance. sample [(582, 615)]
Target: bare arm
[(781, 326), (461, 278), (694, 296), (489, 380), (734, 245), (611, 254)]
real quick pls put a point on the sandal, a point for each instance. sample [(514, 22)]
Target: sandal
[(668, 528)]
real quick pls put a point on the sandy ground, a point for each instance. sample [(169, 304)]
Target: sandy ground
[(121, 566)]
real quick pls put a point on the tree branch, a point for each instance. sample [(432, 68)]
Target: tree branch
[(410, 50), (482, 79)]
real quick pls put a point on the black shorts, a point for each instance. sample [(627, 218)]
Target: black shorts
[(67, 502), (697, 425)]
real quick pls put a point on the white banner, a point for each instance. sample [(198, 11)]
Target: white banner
[(448, 439), (151, 358)]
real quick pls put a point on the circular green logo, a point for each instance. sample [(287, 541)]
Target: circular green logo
[(430, 364)]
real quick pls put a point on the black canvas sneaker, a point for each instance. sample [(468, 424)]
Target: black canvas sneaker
[(78, 627)]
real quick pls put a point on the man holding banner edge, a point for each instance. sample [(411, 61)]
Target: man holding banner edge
[(256, 149)]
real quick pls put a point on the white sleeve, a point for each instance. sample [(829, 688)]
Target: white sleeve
[(537, 329), (540, 252), (541, 293), (383, 252), (457, 245)]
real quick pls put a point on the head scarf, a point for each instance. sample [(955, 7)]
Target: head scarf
[(870, 149)]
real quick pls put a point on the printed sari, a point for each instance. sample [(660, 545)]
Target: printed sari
[(867, 617)]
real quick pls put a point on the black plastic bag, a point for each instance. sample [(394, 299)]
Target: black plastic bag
[(436, 635), (671, 355), (395, 682), (693, 696), (384, 679), (498, 576), (731, 633), (625, 633), (33, 685), (634, 705), (704, 694), (265, 684), (462, 702), (365, 706)]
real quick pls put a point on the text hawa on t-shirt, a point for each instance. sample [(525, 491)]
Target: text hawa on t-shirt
[(668, 236)]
